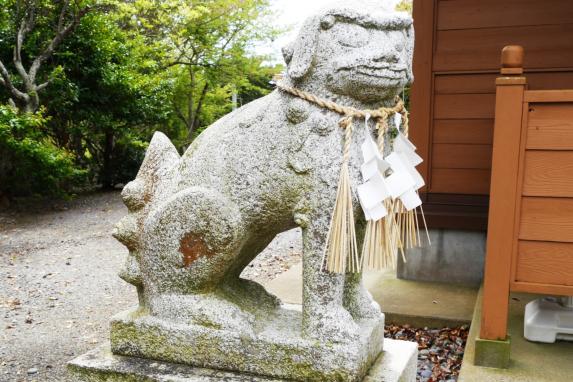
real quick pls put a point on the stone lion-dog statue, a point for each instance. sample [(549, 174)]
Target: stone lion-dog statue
[(196, 221)]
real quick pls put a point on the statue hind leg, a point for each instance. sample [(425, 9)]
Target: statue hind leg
[(189, 243)]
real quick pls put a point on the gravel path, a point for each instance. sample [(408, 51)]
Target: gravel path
[(58, 285)]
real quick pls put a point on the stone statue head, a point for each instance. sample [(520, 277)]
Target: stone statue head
[(354, 48)]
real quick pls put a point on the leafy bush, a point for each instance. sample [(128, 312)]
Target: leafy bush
[(30, 164)]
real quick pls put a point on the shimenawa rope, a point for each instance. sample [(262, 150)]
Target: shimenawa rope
[(382, 238)]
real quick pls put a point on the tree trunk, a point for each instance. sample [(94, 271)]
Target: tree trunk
[(190, 112), (107, 167), (196, 119)]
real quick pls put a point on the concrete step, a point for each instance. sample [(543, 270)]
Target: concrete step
[(529, 361), (402, 301)]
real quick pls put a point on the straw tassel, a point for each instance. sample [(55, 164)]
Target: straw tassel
[(410, 229), (382, 237), (341, 253)]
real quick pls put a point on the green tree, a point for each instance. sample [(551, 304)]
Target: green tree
[(205, 44), (108, 99), (115, 75), (29, 162), (36, 29)]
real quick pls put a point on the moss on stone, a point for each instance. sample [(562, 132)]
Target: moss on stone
[(208, 347), (492, 353)]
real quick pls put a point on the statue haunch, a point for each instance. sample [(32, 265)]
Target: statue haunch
[(196, 221)]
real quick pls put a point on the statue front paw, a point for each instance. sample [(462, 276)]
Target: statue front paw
[(361, 305), (330, 324)]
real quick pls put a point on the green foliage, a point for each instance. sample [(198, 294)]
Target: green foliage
[(405, 6), (29, 163), (205, 46), (127, 70), (107, 101)]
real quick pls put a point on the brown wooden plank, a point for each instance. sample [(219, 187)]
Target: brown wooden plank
[(456, 200), (460, 181), (552, 95), (550, 126), (421, 93), (465, 14), (550, 80), (470, 131), (464, 106), (484, 83), (547, 219), (550, 289), (455, 217), (465, 83), (547, 46), (548, 173), (545, 263), (446, 155)]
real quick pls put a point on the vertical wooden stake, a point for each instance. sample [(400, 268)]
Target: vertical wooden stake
[(503, 193)]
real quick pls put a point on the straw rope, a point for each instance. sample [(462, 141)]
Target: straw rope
[(383, 238), (380, 113)]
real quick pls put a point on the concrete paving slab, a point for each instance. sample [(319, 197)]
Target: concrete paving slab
[(529, 361), (403, 301)]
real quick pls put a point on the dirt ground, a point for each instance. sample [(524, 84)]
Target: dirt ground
[(59, 284)]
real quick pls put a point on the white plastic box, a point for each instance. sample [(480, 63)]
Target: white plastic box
[(549, 319)]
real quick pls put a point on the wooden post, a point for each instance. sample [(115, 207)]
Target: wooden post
[(510, 89)]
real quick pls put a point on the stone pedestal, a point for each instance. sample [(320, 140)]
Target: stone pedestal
[(397, 363), (276, 349)]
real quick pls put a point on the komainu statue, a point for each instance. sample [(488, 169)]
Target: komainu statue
[(196, 221)]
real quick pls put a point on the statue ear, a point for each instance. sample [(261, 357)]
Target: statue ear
[(410, 52), (299, 55)]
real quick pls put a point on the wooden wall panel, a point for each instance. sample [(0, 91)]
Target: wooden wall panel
[(550, 126), (548, 173), (460, 181), (445, 155), (478, 49), (469, 131), (484, 83), (550, 80), (464, 106), (545, 263), (465, 14), (465, 83), (549, 219), (456, 62)]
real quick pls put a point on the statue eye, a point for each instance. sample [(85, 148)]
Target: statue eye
[(351, 35)]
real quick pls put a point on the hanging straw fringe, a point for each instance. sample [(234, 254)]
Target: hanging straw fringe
[(408, 220), (381, 238), (341, 253)]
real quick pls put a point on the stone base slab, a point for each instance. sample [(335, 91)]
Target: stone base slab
[(276, 348), (397, 363), (492, 353)]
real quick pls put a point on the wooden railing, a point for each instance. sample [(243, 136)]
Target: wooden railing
[(530, 223)]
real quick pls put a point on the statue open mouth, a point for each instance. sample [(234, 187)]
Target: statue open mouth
[(392, 72), (389, 72)]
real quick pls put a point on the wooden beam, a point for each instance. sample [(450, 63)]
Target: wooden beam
[(549, 95), (422, 89)]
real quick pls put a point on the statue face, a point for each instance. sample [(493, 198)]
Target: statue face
[(365, 61)]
